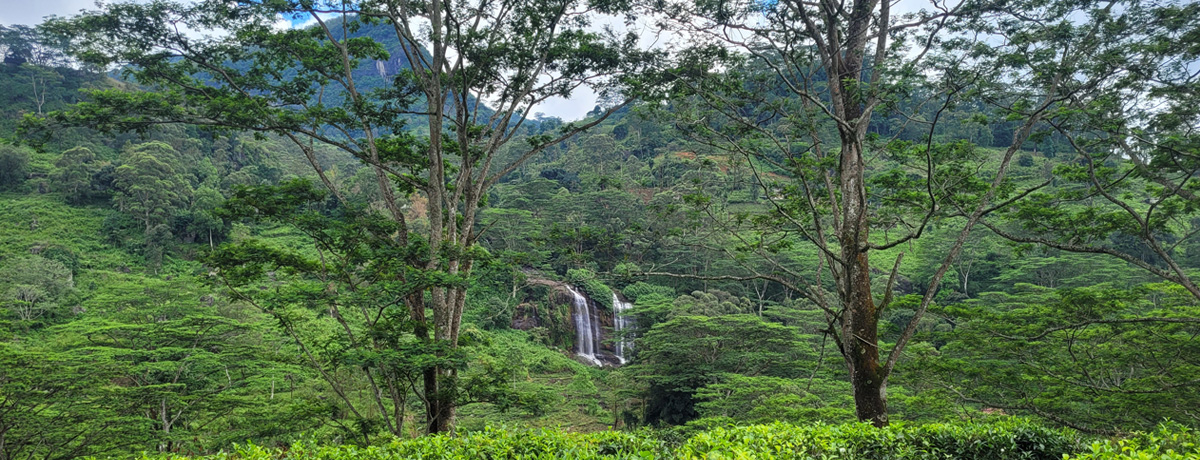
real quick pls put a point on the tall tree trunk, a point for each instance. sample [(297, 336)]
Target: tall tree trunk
[(860, 341), (860, 335), (441, 395), (433, 404), (860, 324), (438, 409)]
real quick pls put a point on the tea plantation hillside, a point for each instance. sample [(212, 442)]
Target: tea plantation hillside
[(669, 229)]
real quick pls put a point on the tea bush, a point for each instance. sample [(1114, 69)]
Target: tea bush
[(491, 443), (998, 439), (1011, 439), (1169, 442)]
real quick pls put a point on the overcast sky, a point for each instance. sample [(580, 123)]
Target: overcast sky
[(32, 12)]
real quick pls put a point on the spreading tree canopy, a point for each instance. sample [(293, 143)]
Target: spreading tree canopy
[(443, 114), (839, 109)]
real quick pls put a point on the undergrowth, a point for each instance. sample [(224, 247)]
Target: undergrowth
[(997, 439)]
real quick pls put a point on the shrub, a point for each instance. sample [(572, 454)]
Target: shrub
[(14, 166), (1025, 160), (992, 440), (491, 443), (1170, 441), (640, 288), (591, 287)]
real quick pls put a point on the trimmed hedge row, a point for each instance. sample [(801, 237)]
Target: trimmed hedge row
[(999, 440), (1006, 439), (491, 443), (1169, 442)]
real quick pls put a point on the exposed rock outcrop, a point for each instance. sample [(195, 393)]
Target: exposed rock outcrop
[(592, 325)]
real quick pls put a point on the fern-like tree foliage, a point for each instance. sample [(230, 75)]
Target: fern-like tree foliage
[(427, 94), (840, 110), (1129, 190)]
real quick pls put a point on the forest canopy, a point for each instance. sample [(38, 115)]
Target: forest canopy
[(778, 217)]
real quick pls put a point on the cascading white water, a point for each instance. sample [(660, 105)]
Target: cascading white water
[(622, 322), (587, 332)]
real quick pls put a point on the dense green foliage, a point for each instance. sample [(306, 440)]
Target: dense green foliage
[(1044, 350), (1168, 442), (983, 440), (270, 264)]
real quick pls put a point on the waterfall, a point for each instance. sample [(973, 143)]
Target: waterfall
[(621, 322), (587, 331)]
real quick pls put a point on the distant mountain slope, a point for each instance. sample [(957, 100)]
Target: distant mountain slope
[(378, 74), (32, 89)]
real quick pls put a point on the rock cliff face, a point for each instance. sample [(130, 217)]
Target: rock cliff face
[(525, 317), (391, 66), (591, 326)]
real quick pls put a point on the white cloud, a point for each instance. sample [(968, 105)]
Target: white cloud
[(34, 12), (281, 23), (581, 102), (584, 99)]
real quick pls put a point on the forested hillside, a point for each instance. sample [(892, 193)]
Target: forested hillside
[(844, 232)]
